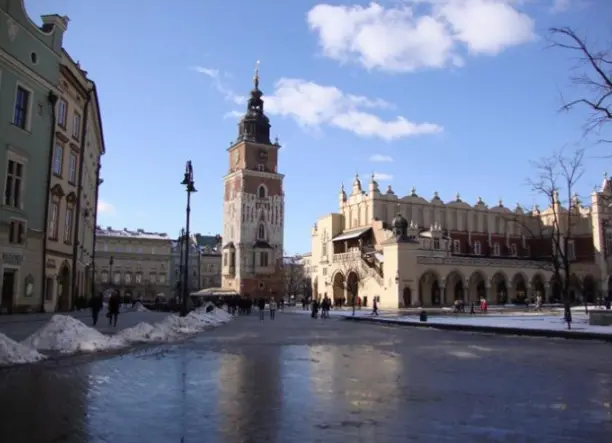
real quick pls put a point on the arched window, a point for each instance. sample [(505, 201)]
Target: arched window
[(261, 232), (261, 192)]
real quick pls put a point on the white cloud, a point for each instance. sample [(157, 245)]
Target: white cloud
[(382, 177), (403, 39), (313, 105), (106, 208), (380, 158), (215, 76)]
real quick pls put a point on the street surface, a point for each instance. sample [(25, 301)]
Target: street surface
[(296, 379)]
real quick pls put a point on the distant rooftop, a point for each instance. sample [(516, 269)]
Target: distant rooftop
[(126, 233)]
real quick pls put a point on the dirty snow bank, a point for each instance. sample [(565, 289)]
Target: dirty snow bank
[(140, 308), (12, 352), (66, 335), (174, 327)]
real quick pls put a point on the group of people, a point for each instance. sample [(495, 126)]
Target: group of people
[(97, 304)]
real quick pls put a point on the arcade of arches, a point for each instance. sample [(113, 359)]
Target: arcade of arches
[(437, 290)]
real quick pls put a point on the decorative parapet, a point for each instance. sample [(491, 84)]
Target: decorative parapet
[(483, 262)]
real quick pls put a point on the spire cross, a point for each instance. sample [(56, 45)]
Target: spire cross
[(256, 76)]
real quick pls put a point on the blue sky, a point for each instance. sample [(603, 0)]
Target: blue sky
[(455, 95)]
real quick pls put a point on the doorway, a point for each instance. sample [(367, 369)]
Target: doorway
[(8, 291)]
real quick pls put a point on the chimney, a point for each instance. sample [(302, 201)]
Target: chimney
[(56, 26)]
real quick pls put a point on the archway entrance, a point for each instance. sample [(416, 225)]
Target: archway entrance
[(454, 288), (476, 289), (429, 289), (407, 297), (63, 288), (339, 285), (537, 283), (352, 289), (499, 288)]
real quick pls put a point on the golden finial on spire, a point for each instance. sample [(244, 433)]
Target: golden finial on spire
[(256, 76)]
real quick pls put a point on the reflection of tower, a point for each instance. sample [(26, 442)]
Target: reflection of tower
[(44, 405), (249, 395), (253, 208)]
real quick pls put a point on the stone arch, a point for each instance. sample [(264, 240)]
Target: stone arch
[(407, 297), (477, 287), (499, 288), (519, 287), (589, 288), (338, 283), (574, 289), (352, 287), (538, 286), (455, 287), (429, 288), (556, 290)]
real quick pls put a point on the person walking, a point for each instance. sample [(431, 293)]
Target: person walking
[(262, 306), (96, 305), (375, 306), (113, 309), (273, 307)]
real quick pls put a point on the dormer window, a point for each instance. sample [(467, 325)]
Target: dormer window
[(261, 192), (261, 232)]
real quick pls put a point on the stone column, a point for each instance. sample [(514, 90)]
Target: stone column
[(530, 295), (488, 292), (415, 297), (466, 290), (443, 293), (547, 292)]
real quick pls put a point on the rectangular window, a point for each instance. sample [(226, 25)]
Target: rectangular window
[(17, 233), (456, 246), (13, 185), (261, 167), (117, 278), (62, 113), (162, 279), (68, 225), (128, 278), (58, 160), (138, 278), (22, 103), (152, 278), (263, 259), (496, 249), (53, 218), (76, 126), (436, 243), (513, 250), (72, 168)]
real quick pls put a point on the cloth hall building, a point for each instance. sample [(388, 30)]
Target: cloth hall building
[(413, 251)]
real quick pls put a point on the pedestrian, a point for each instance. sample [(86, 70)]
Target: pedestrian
[(273, 307), (568, 315), (262, 305), (113, 309), (315, 308), (375, 306), (96, 305)]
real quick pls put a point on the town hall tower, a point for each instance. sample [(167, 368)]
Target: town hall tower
[(253, 207)]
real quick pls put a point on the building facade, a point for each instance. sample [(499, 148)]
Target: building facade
[(204, 263), (29, 74), (253, 207), (135, 263), (412, 251), (78, 147)]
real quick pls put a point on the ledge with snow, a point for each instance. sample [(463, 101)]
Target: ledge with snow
[(533, 324), (67, 335)]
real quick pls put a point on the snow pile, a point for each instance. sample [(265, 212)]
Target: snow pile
[(220, 315), (145, 333), (67, 335), (140, 308), (12, 352)]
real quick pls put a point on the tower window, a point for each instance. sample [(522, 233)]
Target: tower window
[(261, 192), (261, 167), (261, 232)]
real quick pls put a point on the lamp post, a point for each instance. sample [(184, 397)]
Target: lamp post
[(181, 239), (111, 262), (189, 187)]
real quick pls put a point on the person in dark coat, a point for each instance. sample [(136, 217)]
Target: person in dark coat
[(95, 304), (262, 306), (113, 309)]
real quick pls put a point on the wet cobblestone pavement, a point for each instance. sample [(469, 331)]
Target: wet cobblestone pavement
[(303, 380)]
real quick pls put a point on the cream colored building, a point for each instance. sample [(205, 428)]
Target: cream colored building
[(412, 251), (136, 263), (210, 269), (78, 147)]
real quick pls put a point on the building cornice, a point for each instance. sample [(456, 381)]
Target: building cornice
[(252, 173)]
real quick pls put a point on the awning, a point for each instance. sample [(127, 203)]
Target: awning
[(354, 233)]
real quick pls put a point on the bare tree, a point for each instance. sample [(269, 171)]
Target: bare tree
[(355, 275), (552, 230), (593, 76), (294, 275)]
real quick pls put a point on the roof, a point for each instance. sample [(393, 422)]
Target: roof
[(354, 233), (126, 233), (213, 292)]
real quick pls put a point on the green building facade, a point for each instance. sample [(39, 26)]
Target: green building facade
[(29, 74)]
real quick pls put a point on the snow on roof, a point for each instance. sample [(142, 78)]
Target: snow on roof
[(126, 233)]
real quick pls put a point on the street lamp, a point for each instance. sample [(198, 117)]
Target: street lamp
[(181, 239), (189, 187)]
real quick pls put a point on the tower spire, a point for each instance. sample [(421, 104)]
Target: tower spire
[(256, 76)]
